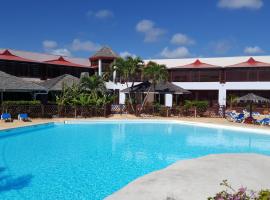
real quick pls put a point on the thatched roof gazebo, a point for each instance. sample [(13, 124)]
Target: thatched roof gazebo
[(160, 88), (56, 84), (104, 52), (9, 83), (252, 98), (165, 88)]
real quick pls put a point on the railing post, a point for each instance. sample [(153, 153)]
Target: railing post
[(42, 110)]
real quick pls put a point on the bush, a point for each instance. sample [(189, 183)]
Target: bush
[(241, 194), (200, 106), (15, 103)]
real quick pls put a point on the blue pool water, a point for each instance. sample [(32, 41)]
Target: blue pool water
[(91, 161)]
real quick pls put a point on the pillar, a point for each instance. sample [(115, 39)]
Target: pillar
[(114, 76), (122, 98), (168, 100), (222, 96), (99, 67)]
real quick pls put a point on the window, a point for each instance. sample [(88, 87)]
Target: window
[(209, 76)]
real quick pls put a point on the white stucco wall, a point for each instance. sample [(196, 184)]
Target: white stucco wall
[(222, 88)]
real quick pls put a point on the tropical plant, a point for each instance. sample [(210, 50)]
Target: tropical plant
[(232, 99), (196, 105), (93, 84), (240, 194), (90, 91), (127, 68), (155, 74)]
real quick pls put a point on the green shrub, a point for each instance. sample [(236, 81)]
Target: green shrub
[(240, 194), (14, 103), (200, 106)]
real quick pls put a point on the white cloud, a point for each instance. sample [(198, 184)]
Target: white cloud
[(238, 4), (180, 52), (78, 45), (49, 44), (181, 39), (125, 54), (221, 46), (101, 14), (253, 50), (150, 31), (60, 52)]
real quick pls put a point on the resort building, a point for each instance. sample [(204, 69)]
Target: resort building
[(212, 79)]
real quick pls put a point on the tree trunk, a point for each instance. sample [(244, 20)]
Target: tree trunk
[(130, 101), (145, 98)]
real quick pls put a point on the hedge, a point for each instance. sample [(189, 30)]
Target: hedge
[(14, 103)]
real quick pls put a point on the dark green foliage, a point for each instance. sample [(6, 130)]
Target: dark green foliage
[(13, 103), (90, 92), (200, 105)]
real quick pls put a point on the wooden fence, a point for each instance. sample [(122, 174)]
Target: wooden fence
[(49, 111), (180, 111)]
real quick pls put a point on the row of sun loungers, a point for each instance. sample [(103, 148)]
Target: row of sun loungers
[(21, 117), (240, 118)]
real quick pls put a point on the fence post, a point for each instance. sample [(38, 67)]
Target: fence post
[(42, 110)]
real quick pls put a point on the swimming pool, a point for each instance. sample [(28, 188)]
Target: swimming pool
[(93, 160)]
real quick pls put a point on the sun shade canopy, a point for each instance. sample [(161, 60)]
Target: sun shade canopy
[(253, 98)]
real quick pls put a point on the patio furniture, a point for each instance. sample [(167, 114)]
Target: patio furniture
[(23, 117), (6, 117), (265, 121), (239, 118), (252, 98)]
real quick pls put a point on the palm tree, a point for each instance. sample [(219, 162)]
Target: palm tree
[(155, 74), (128, 68), (232, 99), (94, 85)]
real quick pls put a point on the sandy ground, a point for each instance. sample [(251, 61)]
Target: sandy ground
[(199, 178), (220, 121)]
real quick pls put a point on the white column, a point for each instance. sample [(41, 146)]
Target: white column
[(122, 98), (99, 67), (114, 75), (168, 100), (222, 95)]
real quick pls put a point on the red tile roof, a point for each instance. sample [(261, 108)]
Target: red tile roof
[(251, 62), (197, 65), (62, 61), (7, 55)]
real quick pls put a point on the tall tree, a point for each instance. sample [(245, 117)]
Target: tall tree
[(127, 69), (155, 74), (94, 85)]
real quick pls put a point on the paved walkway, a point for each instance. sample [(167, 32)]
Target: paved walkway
[(198, 179), (221, 121)]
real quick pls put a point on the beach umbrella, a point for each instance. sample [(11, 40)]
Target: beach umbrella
[(252, 98)]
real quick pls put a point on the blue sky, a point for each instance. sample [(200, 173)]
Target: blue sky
[(149, 28)]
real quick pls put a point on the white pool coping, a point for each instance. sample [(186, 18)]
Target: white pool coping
[(199, 124)]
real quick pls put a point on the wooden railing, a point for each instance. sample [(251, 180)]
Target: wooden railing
[(164, 111), (49, 111)]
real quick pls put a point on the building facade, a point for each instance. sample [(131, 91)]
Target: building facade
[(212, 79)]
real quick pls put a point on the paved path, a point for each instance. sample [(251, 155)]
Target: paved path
[(198, 179)]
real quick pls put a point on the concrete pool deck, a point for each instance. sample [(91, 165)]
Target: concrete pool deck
[(199, 178), (213, 121)]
